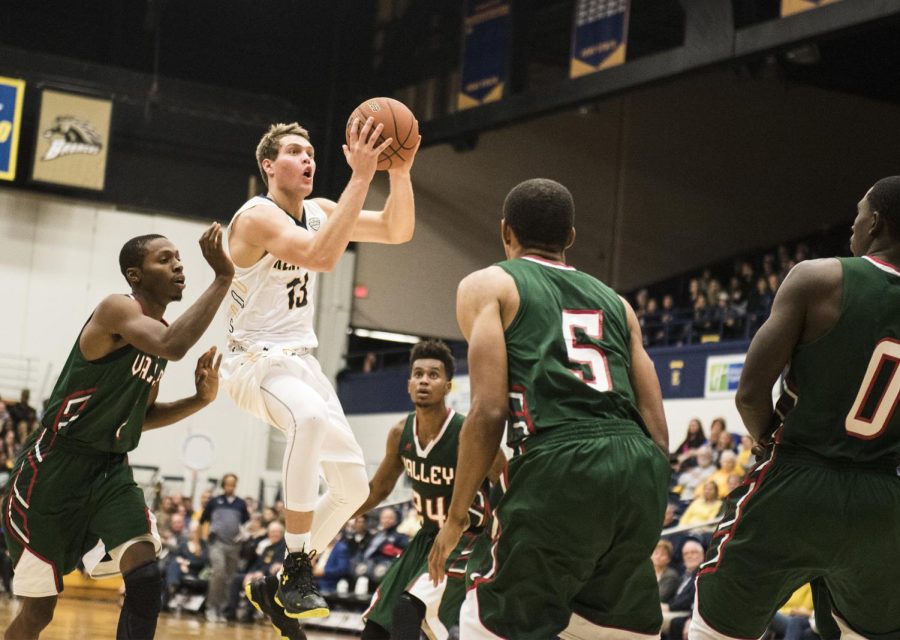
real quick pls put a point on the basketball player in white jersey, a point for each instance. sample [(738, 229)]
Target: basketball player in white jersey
[(279, 243)]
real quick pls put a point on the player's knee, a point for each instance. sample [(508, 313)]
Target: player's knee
[(353, 491), (409, 608), (374, 631), (143, 587), (38, 612)]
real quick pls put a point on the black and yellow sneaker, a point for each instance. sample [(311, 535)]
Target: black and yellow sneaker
[(261, 594), (297, 591)]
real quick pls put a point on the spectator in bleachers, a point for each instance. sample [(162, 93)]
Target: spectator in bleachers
[(411, 523), (759, 304), (187, 565), (204, 499), (774, 281), (728, 467), (746, 276), (334, 564), (792, 622), (768, 264), (225, 514), (269, 558), (5, 419), (691, 479), (666, 577), (10, 448), (724, 442), (677, 611), (268, 515), (164, 512), (703, 318), (668, 332), (687, 451), (640, 303), (704, 508), (746, 460), (386, 545), (670, 519), (716, 427), (693, 293), (254, 532), (21, 410), (175, 533), (727, 317), (734, 481), (358, 537)]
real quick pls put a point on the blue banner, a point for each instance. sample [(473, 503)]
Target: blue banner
[(12, 93), (599, 35), (485, 51)]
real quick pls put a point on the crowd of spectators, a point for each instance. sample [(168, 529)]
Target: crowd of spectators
[(723, 302), (210, 553), (706, 468), (17, 421)]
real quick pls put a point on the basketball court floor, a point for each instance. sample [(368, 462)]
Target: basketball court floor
[(78, 619)]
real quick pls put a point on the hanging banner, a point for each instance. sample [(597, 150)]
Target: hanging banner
[(790, 7), (599, 36), (485, 50), (72, 140), (12, 93)]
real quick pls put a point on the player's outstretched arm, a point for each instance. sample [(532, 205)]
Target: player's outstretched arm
[(382, 483), (206, 381), (772, 346), (645, 383), (479, 317), (118, 315), (395, 223)]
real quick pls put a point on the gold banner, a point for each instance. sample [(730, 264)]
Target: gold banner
[(790, 7), (72, 140)]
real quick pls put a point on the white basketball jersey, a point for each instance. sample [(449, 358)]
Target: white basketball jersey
[(272, 301)]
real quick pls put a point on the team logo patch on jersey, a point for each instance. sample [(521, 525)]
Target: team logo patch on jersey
[(69, 136), (315, 222)]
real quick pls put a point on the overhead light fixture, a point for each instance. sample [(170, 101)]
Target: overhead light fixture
[(387, 336)]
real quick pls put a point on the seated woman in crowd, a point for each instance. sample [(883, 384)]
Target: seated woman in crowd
[(704, 508), (187, 565), (693, 478), (687, 451), (666, 577), (728, 466)]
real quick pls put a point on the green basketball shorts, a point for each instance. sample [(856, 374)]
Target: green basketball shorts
[(573, 533)]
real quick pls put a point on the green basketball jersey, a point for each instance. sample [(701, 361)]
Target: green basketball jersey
[(841, 390), (567, 351), (101, 403), (432, 470)]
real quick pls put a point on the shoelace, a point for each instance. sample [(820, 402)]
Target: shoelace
[(299, 572)]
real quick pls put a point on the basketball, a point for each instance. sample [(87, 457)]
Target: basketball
[(399, 124)]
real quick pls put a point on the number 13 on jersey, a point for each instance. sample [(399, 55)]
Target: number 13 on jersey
[(591, 366)]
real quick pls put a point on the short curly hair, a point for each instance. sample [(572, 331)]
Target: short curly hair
[(884, 197), (435, 350)]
